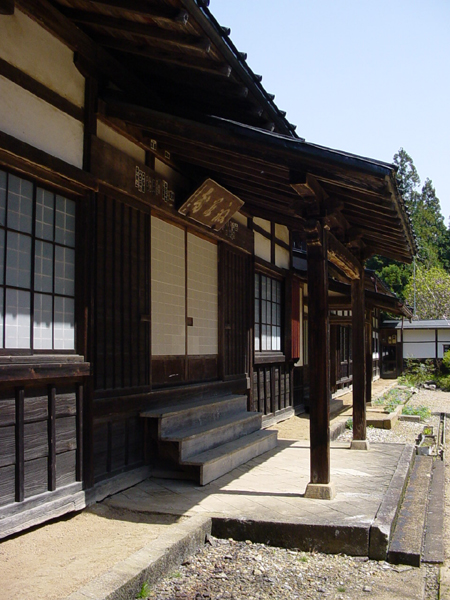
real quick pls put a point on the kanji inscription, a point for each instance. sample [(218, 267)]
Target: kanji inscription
[(211, 205)]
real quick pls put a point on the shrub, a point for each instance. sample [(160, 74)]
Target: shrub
[(446, 362), (349, 423)]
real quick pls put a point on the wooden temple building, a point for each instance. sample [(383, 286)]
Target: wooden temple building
[(153, 204)]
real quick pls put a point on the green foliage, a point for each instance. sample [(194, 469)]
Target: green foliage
[(446, 362), (432, 235), (144, 591), (422, 411), (432, 292), (349, 423), (417, 373)]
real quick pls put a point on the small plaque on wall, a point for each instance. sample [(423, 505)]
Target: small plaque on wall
[(211, 205)]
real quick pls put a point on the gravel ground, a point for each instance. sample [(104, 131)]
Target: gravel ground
[(225, 569)]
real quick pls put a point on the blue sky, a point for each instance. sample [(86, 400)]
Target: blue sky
[(364, 77)]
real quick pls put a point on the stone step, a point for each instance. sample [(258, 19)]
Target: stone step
[(206, 437), (433, 547), (407, 539), (223, 459), (196, 412)]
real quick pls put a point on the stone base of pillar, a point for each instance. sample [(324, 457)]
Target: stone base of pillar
[(320, 491), (360, 445)]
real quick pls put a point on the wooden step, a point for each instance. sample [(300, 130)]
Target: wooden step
[(195, 413), (215, 433), (214, 463)]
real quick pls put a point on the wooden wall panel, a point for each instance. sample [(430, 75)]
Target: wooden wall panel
[(235, 295), (122, 265), (7, 485), (272, 389), (36, 477), (66, 468)]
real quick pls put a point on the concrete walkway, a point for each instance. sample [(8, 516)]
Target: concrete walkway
[(262, 500)]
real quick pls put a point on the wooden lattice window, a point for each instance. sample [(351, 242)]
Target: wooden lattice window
[(37, 267), (268, 332)]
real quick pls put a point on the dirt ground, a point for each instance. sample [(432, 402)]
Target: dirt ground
[(53, 560)]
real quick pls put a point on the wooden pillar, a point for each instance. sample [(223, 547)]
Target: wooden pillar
[(369, 356), (359, 363), (319, 364)]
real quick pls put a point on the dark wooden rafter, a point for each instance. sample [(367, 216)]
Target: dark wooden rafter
[(49, 17), (142, 7), (7, 7), (152, 33), (177, 58), (277, 157)]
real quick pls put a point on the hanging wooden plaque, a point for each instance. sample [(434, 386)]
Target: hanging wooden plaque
[(211, 205)]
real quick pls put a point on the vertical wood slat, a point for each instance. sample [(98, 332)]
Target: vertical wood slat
[(51, 438), (79, 454), (20, 448)]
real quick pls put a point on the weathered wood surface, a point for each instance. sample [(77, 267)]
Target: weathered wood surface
[(319, 354), (359, 359)]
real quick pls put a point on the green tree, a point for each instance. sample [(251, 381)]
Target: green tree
[(431, 290)]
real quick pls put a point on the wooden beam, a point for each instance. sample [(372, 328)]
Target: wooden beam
[(359, 358), (319, 354), (51, 19), (150, 32), (141, 7), (187, 60), (342, 258), (40, 90), (7, 7), (18, 154)]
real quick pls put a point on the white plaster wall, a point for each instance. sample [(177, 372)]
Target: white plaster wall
[(423, 350), (109, 135), (262, 247), (444, 335), (168, 289), (282, 233), (202, 296), (263, 223), (282, 257), (30, 48), (32, 120), (419, 335), (441, 349), (240, 218)]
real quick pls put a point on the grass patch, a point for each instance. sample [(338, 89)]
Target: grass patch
[(392, 399), (144, 592), (422, 411)]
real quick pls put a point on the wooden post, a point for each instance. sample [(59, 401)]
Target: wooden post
[(319, 363), (359, 364), (369, 357)]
